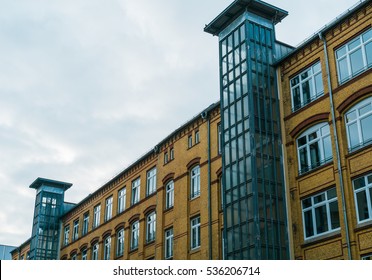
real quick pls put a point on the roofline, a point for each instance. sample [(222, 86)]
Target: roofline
[(20, 246), (153, 150), (325, 28), (40, 181), (236, 8)]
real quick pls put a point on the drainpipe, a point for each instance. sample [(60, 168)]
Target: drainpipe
[(337, 145), (205, 116)]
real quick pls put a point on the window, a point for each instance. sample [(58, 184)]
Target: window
[(74, 257), (197, 137), (136, 191), (354, 57), (151, 181), (195, 232), (320, 214), (84, 254), (314, 147), (195, 182), (363, 197), (134, 235), (367, 257), (150, 227), (85, 223), (75, 234), (107, 248), (95, 251), (168, 243), (122, 196), (165, 157), (66, 235), (171, 153), (189, 141), (359, 124), (108, 211), (169, 194), (306, 86), (120, 243), (97, 215)]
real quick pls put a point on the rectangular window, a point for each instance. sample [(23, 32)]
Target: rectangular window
[(219, 139), (195, 232), (136, 191), (95, 251), (122, 196), (75, 235), (171, 154), (120, 243), (66, 235), (151, 181), (197, 137), (354, 57), (150, 227), (97, 215), (189, 141), (107, 249), (134, 235), (307, 86), (169, 195), (166, 158), (169, 243), (85, 223), (108, 210), (320, 214), (363, 197), (195, 182)]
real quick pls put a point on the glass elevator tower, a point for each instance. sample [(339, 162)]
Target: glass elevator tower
[(49, 207), (255, 224)]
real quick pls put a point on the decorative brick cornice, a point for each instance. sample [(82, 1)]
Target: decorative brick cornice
[(354, 97), (307, 122)]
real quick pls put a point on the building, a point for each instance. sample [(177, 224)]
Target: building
[(5, 252), (326, 103), (278, 169)]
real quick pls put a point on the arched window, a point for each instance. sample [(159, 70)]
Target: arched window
[(120, 242), (169, 194), (314, 147), (107, 248), (359, 124), (150, 227), (134, 235), (195, 182), (95, 248)]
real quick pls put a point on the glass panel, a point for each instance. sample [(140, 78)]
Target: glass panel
[(356, 59), (295, 81), (309, 228), (324, 130), (366, 125), (321, 219), (359, 183), (365, 109), (369, 54), (327, 146), (335, 219), (306, 203), (353, 135), (331, 193), (302, 141), (369, 179), (342, 67), (319, 198), (318, 84), (242, 32), (296, 97), (367, 35), (223, 47), (316, 68), (315, 154), (362, 205), (303, 160), (351, 116), (353, 44), (341, 52), (313, 135)]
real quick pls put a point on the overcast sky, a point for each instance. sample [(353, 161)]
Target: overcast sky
[(88, 86)]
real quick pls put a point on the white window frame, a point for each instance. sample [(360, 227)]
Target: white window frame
[(355, 116), (168, 248), (108, 208), (66, 236), (365, 189), (197, 137), (85, 223), (120, 243), (323, 137), (195, 182), (171, 154), (122, 196), (310, 76), (95, 249), (84, 254), (195, 233), (136, 188), (151, 227), (97, 215), (75, 234), (107, 248), (134, 240), (314, 205), (169, 194), (151, 181), (348, 49), (367, 257), (189, 141)]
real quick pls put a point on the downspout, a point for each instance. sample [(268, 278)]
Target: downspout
[(337, 146), (205, 116)]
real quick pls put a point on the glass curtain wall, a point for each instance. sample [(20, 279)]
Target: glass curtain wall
[(254, 199)]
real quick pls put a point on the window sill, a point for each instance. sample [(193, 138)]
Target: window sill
[(304, 174), (195, 197), (325, 237), (195, 250), (363, 225), (169, 209)]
